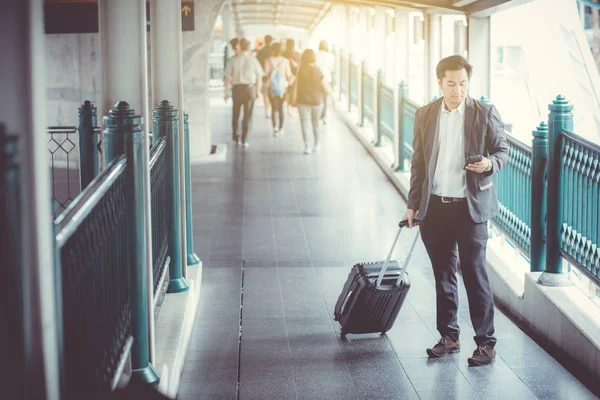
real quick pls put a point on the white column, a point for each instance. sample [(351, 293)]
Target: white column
[(124, 55), (432, 54), (168, 82), (402, 47), (22, 110), (479, 52)]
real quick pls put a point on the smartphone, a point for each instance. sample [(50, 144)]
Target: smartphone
[(473, 160)]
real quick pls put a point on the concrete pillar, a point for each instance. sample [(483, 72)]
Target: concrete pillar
[(123, 44), (479, 55), (433, 49), (23, 112), (168, 81), (402, 46), (228, 26), (197, 47)]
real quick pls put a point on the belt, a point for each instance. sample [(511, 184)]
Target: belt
[(448, 200)]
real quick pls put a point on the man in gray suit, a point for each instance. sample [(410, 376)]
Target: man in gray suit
[(454, 199)]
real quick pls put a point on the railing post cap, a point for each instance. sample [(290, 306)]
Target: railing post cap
[(165, 110), (560, 105), (541, 131), (121, 114), (87, 107)]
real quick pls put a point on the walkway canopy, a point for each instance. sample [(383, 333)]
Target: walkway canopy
[(307, 14)]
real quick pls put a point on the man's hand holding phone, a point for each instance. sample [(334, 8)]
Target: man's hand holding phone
[(477, 164)]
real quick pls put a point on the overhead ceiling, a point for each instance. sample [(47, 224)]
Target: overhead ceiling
[(307, 14)]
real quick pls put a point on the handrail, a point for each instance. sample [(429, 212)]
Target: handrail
[(156, 150), (411, 103), (81, 207), (581, 140), (61, 129), (589, 3), (517, 143)]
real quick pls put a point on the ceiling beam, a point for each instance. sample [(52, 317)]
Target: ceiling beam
[(485, 8), (270, 22), (416, 4), (274, 3), (324, 11)]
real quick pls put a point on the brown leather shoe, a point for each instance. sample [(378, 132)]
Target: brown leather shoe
[(482, 356), (443, 348)]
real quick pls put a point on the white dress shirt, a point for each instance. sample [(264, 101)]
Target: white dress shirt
[(450, 179), (244, 69)]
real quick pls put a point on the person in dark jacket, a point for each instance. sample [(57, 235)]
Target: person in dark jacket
[(454, 199)]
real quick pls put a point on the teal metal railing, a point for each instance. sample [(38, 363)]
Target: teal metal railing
[(513, 183), (354, 84), (580, 202), (368, 90), (409, 109), (159, 185), (386, 111), (92, 241), (75, 153), (343, 75)]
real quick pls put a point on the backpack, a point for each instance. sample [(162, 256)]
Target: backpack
[(278, 83)]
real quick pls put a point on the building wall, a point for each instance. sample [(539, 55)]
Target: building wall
[(73, 75)]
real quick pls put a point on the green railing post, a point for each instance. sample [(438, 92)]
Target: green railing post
[(559, 119), (539, 154), (402, 93), (349, 83), (89, 158), (363, 69), (12, 272), (192, 258), (340, 79), (166, 121), (158, 126), (377, 113), (335, 67), (123, 128)]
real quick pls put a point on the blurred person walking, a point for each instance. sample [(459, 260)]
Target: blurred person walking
[(308, 96), (279, 76), (326, 63), (263, 55), (245, 74), (294, 58)]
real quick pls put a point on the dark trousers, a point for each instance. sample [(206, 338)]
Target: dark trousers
[(446, 226), (243, 96), (277, 107)]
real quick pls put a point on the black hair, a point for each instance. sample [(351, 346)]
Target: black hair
[(276, 49), (323, 45), (244, 44), (308, 57), (453, 63)]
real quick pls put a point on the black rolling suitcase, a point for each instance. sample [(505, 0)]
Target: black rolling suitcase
[(373, 294)]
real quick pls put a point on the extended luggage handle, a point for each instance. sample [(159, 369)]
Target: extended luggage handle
[(402, 224)]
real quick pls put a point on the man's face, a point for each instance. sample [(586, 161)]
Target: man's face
[(455, 86)]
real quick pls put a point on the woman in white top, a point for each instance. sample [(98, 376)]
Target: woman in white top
[(326, 63), (279, 78)]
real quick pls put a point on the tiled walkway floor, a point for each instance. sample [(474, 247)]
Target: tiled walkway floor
[(286, 227)]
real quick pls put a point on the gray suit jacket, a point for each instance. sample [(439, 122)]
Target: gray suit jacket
[(484, 134)]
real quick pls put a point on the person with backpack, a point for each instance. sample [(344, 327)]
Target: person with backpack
[(279, 76)]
